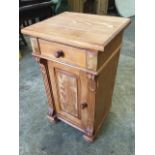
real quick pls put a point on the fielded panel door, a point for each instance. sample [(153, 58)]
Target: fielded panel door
[(70, 93)]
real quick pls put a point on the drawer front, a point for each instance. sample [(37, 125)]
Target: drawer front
[(63, 53)]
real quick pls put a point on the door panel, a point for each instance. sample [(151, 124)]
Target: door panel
[(67, 90)]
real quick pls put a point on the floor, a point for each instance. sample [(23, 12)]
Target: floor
[(39, 137)]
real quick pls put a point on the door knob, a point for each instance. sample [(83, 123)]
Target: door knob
[(84, 105), (59, 54)]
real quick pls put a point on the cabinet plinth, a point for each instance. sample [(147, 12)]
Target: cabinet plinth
[(78, 56)]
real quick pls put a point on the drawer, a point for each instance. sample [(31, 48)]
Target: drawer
[(85, 59), (63, 53)]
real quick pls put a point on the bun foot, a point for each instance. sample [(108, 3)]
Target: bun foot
[(88, 138), (52, 119)]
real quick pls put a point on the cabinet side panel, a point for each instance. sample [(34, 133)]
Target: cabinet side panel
[(109, 49), (105, 85)]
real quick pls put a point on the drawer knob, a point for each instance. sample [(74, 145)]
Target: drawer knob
[(84, 105), (59, 54)]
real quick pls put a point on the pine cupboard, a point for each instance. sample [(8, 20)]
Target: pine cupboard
[(78, 56)]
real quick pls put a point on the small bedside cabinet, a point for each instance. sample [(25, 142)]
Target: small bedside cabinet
[(78, 56)]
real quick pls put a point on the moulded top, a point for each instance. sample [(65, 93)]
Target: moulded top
[(78, 29)]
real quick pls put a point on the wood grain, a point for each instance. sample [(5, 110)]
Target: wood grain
[(104, 92), (78, 6), (48, 88), (79, 30), (35, 45), (67, 89), (78, 55), (72, 112), (71, 55)]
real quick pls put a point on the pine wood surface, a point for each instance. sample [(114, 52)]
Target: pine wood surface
[(78, 74), (70, 55), (80, 30)]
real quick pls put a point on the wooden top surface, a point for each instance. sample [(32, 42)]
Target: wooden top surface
[(78, 29)]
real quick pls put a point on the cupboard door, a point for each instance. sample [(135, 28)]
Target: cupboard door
[(67, 92)]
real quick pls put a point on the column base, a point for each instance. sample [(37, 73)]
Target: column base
[(52, 119), (89, 138)]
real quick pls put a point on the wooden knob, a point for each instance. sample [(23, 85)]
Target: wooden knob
[(59, 54), (84, 105)]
